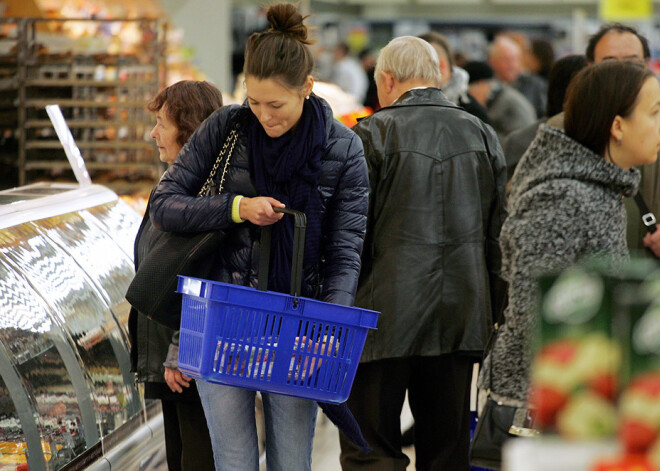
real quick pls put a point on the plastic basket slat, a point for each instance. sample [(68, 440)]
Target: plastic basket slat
[(326, 374), (265, 341)]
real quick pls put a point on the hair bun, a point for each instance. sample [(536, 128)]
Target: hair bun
[(284, 18)]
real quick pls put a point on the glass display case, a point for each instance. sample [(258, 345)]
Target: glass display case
[(65, 380)]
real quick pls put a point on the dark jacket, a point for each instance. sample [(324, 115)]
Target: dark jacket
[(535, 89), (472, 106), (565, 205), (344, 193), (516, 143), (431, 262), (508, 110)]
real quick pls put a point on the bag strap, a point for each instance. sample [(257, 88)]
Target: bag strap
[(300, 225), (648, 218), (230, 142)]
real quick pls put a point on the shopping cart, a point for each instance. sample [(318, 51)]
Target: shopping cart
[(269, 341)]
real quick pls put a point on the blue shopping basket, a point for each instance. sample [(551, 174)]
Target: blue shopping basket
[(269, 341)]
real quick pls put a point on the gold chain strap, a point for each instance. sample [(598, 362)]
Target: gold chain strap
[(231, 140)]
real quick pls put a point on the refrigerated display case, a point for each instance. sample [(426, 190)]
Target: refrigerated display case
[(66, 390)]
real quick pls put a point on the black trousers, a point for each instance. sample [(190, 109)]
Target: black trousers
[(187, 441), (439, 397)]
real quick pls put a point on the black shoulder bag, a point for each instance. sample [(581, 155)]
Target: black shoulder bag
[(497, 423), (153, 290)]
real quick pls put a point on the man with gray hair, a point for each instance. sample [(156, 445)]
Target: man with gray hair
[(430, 264)]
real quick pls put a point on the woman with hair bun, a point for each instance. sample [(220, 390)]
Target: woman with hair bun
[(290, 152)]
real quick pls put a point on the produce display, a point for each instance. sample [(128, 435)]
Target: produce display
[(596, 371), (575, 373), (639, 402)]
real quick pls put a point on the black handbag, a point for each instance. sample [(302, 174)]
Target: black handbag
[(153, 289), (497, 423)]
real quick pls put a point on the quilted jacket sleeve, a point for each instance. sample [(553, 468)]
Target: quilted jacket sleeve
[(175, 206), (346, 225)]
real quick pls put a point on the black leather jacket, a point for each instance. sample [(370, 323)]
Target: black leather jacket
[(344, 194), (431, 262)]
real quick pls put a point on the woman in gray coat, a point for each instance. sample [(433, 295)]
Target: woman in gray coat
[(566, 201)]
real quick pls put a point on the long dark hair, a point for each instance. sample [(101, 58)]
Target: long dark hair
[(596, 95), (281, 52), (561, 74)]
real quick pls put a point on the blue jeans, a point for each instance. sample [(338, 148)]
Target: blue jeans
[(231, 420)]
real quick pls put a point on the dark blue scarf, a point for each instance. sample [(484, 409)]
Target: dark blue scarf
[(288, 168)]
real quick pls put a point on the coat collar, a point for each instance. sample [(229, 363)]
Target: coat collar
[(553, 155), (422, 96)]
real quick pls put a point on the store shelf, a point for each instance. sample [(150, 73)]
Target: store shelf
[(88, 83), (8, 84), (64, 102), (47, 164), (40, 123), (91, 145), (102, 96)]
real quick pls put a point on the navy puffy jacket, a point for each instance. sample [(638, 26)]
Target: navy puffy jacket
[(343, 186)]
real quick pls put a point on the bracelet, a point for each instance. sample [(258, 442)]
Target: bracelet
[(235, 213)]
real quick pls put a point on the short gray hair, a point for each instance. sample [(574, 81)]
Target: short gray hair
[(408, 57)]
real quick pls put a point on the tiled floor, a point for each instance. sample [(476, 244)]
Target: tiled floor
[(325, 456)]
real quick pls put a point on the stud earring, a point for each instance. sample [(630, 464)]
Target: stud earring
[(307, 97)]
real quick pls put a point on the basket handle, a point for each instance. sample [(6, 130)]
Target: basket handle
[(299, 224)]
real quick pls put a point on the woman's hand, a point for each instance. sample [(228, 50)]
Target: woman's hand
[(175, 379), (259, 210), (652, 241)]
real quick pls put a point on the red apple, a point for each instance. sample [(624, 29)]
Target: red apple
[(560, 351), (605, 385), (648, 383), (546, 402), (637, 436)]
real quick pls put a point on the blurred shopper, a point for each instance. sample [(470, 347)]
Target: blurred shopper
[(180, 109), (541, 58), (566, 202), (368, 61), (507, 109), (615, 41), (431, 264), (348, 73), (516, 143), (506, 58), (453, 79), (289, 152)]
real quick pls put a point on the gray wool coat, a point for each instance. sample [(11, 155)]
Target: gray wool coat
[(565, 205)]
